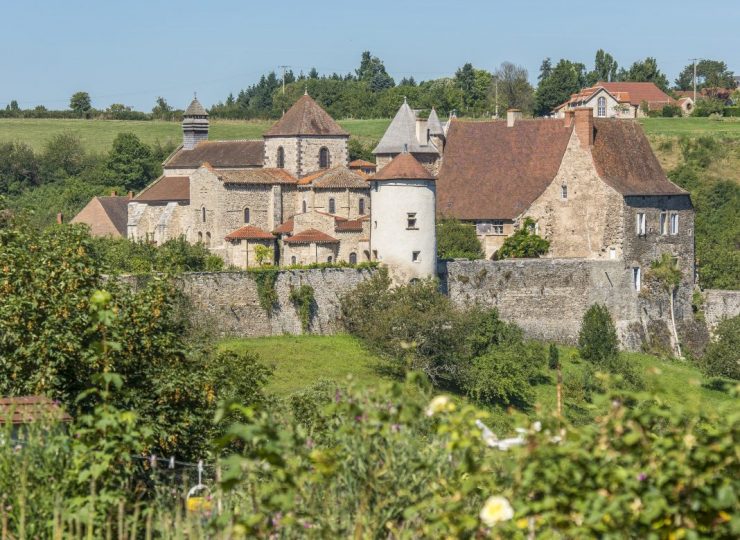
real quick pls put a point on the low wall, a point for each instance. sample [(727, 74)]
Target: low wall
[(548, 297), (718, 305)]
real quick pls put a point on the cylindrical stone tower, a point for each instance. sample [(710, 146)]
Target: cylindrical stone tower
[(194, 125), (403, 224)]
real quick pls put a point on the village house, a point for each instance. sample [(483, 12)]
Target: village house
[(622, 100)]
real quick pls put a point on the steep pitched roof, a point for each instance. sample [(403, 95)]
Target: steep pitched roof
[(256, 176), (403, 167), (106, 216), (166, 189), (310, 236), (339, 177), (639, 92), (285, 227), (401, 135), (494, 171), (220, 154), (624, 159), (305, 117), (433, 124), (249, 232), (195, 109)]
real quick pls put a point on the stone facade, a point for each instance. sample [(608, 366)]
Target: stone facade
[(720, 305)]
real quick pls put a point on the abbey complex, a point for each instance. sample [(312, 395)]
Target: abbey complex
[(592, 185)]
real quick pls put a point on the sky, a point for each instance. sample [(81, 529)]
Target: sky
[(131, 52)]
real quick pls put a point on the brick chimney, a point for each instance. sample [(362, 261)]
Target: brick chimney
[(60, 218), (568, 118), (585, 126), (512, 115)]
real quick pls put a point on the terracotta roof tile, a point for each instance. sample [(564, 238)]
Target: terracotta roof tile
[(305, 117), (491, 171), (403, 167), (358, 163), (106, 216), (639, 92), (249, 232), (256, 176), (336, 177), (348, 225), (27, 409), (166, 189), (286, 227), (310, 236), (220, 154)]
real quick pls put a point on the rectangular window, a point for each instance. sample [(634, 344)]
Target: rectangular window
[(640, 228), (674, 223), (483, 227), (564, 192), (497, 227), (415, 256), (663, 223), (636, 278), (612, 253), (411, 220)]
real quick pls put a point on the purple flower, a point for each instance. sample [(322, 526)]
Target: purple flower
[(395, 428), (642, 477), (309, 442)]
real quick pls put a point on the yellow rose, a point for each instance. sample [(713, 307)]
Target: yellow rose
[(438, 405), (495, 510)]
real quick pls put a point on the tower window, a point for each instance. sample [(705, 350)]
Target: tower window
[(329, 259), (332, 206), (208, 239), (640, 225), (304, 207), (324, 158), (415, 256), (353, 258), (280, 158), (246, 215), (636, 278), (564, 192), (663, 223), (292, 260), (601, 109), (200, 237), (203, 214), (361, 209), (674, 223), (411, 220)]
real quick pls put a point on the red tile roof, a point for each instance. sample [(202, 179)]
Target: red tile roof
[(403, 167), (256, 176), (166, 189), (338, 177), (491, 171), (249, 232), (305, 117), (285, 227), (220, 154), (639, 92), (27, 409), (106, 216), (310, 236), (348, 225), (360, 163)]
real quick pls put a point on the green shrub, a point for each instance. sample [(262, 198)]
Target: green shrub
[(265, 278), (597, 340), (553, 357), (669, 111), (722, 357), (524, 243), (730, 112), (124, 256), (706, 107), (457, 240), (304, 302)]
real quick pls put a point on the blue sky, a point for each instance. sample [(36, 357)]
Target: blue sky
[(130, 52)]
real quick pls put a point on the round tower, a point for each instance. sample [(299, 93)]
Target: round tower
[(194, 125), (403, 224)]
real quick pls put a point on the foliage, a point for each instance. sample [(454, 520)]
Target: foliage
[(708, 107), (553, 357), (605, 68), (303, 300), (514, 90), (19, 168), (524, 243), (709, 74), (457, 240), (722, 357), (124, 256), (666, 272), (263, 254), (646, 71), (80, 103), (564, 79), (669, 111), (132, 163), (597, 340), (265, 278), (372, 71)]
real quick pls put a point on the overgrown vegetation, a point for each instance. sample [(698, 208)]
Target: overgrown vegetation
[(303, 300), (265, 278), (524, 243), (124, 256), (722, 357), (457, 240)]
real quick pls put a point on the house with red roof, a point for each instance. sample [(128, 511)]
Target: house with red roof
[(620, 100)]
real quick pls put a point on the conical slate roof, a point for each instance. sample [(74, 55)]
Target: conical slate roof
[(305, 117), (401, 135), (433, 124), (403, 167), (195, 109)]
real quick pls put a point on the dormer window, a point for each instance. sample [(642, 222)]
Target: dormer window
[(324, 158), (280, 161)]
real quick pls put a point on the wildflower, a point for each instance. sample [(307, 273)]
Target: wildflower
[(395, 428), (689, 440), (537, 426), (438, 405), (495, 510), (642, 477)]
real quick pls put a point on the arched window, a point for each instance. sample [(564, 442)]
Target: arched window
[(332, 206), (292, 260), (324, 158), (208, 239), (601, 112), (246, 215), (361, 209), (200, 237), (280, 158), (353, 258), (329, 259), (304, 207), (203, 214)]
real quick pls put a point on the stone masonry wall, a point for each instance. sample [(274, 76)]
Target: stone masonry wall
[(719, 305)]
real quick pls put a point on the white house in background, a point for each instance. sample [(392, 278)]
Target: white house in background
[(604, 103), (403, 229)]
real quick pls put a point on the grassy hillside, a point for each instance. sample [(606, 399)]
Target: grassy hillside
[(300, 361), (691, 127)]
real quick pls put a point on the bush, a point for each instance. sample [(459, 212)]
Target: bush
[(124, 256), (597, 340), (731, 112), (524, 243), (457, 240), (722, 357), (669, 111), (706, 107)]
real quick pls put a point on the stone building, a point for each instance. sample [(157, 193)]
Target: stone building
[(621, 100), (106, 216), (233, 196)]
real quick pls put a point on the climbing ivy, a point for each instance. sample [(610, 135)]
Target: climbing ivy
[(303, 299), (265, 279)]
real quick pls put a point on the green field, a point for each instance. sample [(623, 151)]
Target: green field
[(691, 127), (300, 361)]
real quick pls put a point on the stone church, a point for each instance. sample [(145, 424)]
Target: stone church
[(292, 192)]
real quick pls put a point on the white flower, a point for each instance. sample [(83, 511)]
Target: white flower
[(495, 510), (537, 426), (437, 405)]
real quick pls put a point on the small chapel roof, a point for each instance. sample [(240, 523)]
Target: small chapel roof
[(311, 236), (220, 154), (337, 177), (249, 232), (195, 109), (305, 117), (401, 135), (106, 216), (403, 167), (433, 124), (286, 227)]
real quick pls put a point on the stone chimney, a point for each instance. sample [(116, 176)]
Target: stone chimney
[(512, 115), (60, 218), (130, 195), (585, 126), (568, 117)]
